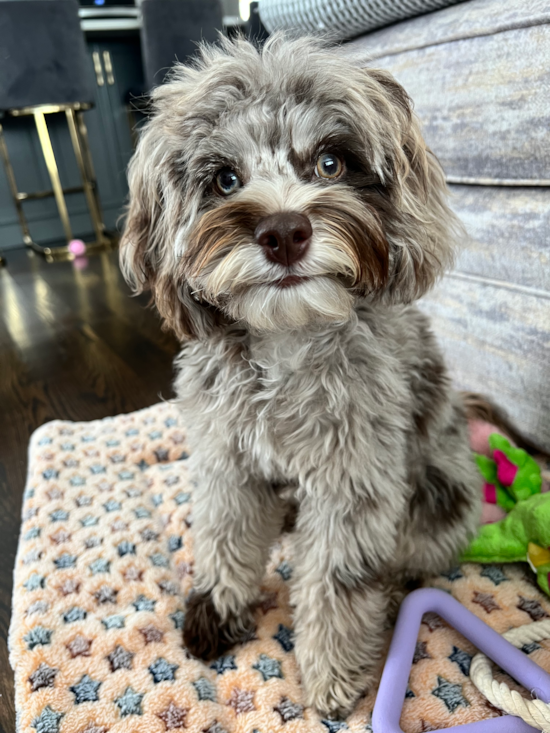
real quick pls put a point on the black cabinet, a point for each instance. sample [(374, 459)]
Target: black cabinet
[(116, 68)]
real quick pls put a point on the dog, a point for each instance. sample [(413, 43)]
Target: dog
[(285, 212)]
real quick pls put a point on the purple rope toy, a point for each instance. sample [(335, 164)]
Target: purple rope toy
[(393, 685)]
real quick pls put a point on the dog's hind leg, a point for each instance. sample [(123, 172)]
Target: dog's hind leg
[(235, 520), (445, 503)]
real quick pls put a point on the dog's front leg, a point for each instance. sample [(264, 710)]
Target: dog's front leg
[(340, 593), (235, 520)]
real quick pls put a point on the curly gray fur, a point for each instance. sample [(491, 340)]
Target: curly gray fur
[(334, 390)]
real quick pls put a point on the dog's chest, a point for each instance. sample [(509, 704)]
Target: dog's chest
[(280, 363), (285, 402), (283, 382), (301, 394)]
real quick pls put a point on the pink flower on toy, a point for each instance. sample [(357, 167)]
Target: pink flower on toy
[(490, 493), (506, 470)]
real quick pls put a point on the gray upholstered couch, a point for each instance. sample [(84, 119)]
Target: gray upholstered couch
[(479, 74)]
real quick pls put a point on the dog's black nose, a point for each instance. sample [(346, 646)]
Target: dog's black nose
[(284, 237)]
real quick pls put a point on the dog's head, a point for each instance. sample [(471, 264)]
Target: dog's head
[(277, 187)]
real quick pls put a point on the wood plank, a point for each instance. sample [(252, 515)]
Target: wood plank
[(484, 103), (509, 233), (101, 293), (497, 341), (465, 20)]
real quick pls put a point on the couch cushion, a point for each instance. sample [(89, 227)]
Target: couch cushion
[(481, 95), (466, 20)]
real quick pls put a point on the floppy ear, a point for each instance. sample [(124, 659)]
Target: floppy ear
[(424, 231), (147, 248)]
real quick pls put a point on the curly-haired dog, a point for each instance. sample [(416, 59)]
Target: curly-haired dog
[(285, 212)]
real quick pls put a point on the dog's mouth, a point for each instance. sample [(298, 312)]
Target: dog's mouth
[(291, 280)]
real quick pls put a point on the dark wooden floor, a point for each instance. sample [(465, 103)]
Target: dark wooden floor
[(73, 345)]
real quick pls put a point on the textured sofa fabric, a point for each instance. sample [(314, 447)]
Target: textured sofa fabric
[(42, 54), (479, 75), (342, 19)]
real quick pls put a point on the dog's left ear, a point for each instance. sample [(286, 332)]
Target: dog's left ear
[(148, 256), (422, 229)]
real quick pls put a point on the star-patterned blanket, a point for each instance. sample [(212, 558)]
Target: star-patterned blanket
[(104, 563)]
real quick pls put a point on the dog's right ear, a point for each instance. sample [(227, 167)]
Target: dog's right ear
[(425, 228), (148, 257), (141, 244)]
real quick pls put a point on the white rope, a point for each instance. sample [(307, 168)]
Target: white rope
[(533, 712)]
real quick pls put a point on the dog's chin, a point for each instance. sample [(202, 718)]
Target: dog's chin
[(294, 303)]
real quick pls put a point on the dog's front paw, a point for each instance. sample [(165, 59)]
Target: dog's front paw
[(205, 635)]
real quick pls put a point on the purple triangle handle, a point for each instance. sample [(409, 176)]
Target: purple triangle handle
[(393, 685)]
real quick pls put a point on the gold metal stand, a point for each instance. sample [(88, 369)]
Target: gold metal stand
[(79, 139)]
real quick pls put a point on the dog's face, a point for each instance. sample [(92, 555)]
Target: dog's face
[(277, 188)]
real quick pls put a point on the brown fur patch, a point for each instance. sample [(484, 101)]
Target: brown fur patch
[(438, 501), (358, 231), (188, 318), (201, 630), (291, 515), (143, 258), (430, 390), (393, 89), (430, 383), (218, 231), (457, 424), (205, 635)]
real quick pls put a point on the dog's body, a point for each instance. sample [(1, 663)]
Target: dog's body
[(359, 421), (307, 374)]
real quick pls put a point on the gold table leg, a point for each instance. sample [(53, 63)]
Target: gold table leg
[(51, 164), (86, 175), (79, 138), (85, 145), (13, 190)]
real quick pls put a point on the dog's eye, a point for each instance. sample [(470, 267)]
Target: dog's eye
[(227, 181), (329, 166)]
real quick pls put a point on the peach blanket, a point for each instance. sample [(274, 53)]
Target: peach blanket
[(104, 562)]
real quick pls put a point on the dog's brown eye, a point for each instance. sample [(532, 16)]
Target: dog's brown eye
[(227, 181), (329, 166)]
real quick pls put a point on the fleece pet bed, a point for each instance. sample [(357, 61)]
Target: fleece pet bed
[(105, 560)]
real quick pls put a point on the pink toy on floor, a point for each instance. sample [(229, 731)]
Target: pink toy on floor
[(77, 247)]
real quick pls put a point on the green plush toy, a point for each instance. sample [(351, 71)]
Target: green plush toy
[(513, 481)]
